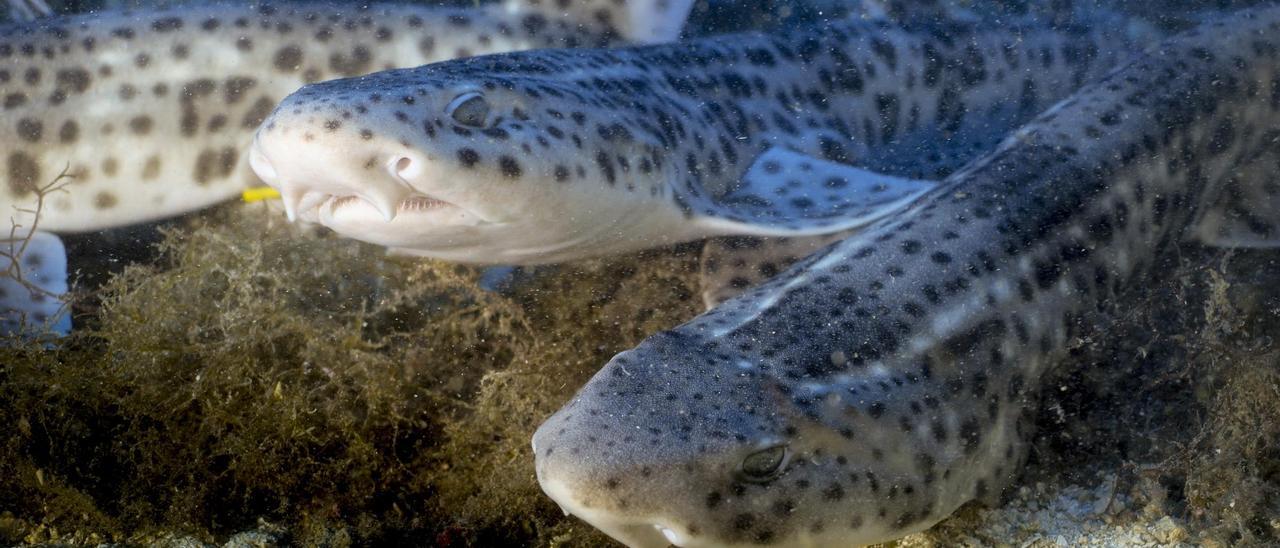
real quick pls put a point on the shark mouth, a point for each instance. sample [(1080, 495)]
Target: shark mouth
[(314, 205), (412, 204)]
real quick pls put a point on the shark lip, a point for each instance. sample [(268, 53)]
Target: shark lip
[(414, 204), (414, 210), (635, 531), (313, 205)]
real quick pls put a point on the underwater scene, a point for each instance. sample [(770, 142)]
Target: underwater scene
[(651, 273)]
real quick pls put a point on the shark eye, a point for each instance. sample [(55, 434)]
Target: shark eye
[(764, 465), (469, 109)]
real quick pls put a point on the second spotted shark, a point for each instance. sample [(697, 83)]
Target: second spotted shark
[(148, 113), (545, 156), (877, 385)]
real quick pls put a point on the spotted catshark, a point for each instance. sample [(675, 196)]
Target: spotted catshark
[(150, 112), (550, 155), (880, 383)]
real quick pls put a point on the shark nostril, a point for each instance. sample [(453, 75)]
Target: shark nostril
[(405, 168)]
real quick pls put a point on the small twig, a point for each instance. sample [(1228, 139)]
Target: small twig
[(19, 238)]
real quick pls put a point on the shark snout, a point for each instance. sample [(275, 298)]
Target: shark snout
[(262, 166), (593, 490), (309, 180)]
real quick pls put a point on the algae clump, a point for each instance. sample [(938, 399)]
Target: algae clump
[(262, 372)]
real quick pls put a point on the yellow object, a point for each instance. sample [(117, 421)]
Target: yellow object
[(259, 193)]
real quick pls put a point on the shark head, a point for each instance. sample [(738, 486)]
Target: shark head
[(682, 442), (452, 162)]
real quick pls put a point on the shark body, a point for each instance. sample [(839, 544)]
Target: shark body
[(883, 381), (149, 113), (544, 156)]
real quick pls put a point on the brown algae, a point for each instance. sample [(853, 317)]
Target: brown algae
[(310, 381)]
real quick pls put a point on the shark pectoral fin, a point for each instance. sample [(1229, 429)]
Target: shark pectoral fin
[(638, 21), (785, 193), (1245, 210), (732, 264), (31, 292)]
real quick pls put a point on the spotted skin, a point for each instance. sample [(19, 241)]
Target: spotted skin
[(731, 265), (551, 155), (839, 404), (151, 111)]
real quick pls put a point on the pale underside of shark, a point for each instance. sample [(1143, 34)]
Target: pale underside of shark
[(150, 112), (880, 383), (545, 156)]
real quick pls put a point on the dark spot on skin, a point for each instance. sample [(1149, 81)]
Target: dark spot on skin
[(468, 157), (69, 132), (166, 24), (510, 168), (24, 173), (257, 113), (14, 100), (606, 167), (104, 200), (214, 164), (151, 169), (833, 492), (76, 80), (288, 59), (110, 166), (217, 122), (876, 410), (713, 499), (235, 88), (140, 125), (359, 62), (30, 130)]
